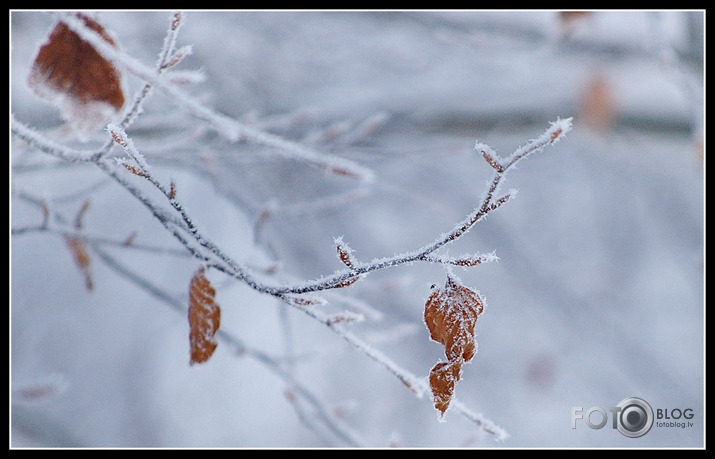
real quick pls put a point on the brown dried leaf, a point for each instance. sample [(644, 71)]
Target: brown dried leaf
[(81, 257), (598, 109), (71, 74), (204, 318), (450, 315), (442, 379)]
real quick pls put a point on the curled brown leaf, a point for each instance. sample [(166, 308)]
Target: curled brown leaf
[(204, 318), (81, 257), (442, 379), (451, 314)]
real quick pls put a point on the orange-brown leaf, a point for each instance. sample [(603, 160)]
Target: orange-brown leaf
[(70, 73), (598, 109), (450, 315), (442, 379), (81, 257), (204, 318)]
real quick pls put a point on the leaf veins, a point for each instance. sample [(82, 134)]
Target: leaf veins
[(204, 318), (450, 314)]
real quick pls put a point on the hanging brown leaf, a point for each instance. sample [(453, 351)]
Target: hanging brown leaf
[(450, 315), (597, 108), (204, 318), (81, 257), (442, 379), (70, 73)]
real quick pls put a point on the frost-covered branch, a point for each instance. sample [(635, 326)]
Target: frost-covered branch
[(415, 384), (36, 140), (232, 129), (341, 278), (168, 58), (97, 244), (167, 208), (334, 425), (488, 204)]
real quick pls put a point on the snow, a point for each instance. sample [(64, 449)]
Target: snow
[(598, 294)]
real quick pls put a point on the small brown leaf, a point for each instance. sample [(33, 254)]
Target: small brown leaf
[(71, 74), (598, 108), (450, 315), (81, 257), (204, 318), (442, 379)]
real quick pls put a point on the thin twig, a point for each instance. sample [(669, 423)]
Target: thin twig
[(273, 365), (182, 227), (231, 128)]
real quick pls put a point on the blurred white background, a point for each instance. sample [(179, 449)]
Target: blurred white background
[(597, 296)]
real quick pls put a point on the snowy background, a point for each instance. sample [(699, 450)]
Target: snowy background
[(597, 295)]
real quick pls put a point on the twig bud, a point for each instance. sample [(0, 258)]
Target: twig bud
[(345, 253), (490, 156)]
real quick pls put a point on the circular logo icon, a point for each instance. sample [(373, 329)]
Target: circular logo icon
[(635, 417)]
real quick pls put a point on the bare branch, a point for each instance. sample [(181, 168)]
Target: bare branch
[(232, 129), (179, 222)]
